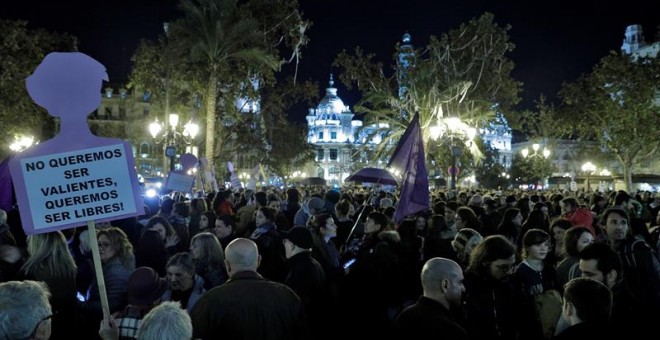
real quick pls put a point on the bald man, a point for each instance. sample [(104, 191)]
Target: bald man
[(248, 306), (442, 281)]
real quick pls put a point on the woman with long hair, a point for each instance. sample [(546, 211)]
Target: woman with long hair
[(206, 222), (466, 218), (150, 252), (575, 239), (197, 207), (117, 264), (166, 231), (51, 262), (209, 259), (511, 225), (439, 235)]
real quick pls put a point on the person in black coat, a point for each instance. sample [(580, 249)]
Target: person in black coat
[(587, 309), (248, 306), (442, 282), (307, 278)]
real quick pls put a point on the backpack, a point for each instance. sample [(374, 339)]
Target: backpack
[(629, 256)]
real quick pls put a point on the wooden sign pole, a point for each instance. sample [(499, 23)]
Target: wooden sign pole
[(94, 244)]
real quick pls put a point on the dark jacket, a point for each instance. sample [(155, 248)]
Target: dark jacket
[(372, 288), (641, 272), (271, 249), (492, 310), (115, 275), (307, 279), (248, 306), (427, 319), (585, 330)]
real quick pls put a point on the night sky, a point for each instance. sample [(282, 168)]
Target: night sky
[(555, 41)]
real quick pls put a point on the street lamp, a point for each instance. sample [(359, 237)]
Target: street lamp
[(21, 143), (453, 128), (173, 135), (588, 168), (244, 177), (535, 147)]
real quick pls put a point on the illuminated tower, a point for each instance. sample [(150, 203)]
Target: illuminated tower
[(634, 39), (404, 60)]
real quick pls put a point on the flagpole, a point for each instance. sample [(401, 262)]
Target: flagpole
[(357, 220)]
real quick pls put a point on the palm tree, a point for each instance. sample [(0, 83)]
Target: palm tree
[(219, 37)]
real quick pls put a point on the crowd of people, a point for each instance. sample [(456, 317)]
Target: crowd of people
[(326, 263)]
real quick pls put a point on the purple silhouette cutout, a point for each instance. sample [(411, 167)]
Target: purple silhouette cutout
[(75, 176)]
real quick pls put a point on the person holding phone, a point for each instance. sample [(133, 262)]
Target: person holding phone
[(372, 286)]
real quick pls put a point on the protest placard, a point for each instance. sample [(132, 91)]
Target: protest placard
[(70, 188), (74, 178)]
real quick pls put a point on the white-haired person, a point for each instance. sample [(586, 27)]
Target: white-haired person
[(167, 321), (26, 312)]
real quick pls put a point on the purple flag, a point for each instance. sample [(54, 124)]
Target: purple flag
[(408, 158)]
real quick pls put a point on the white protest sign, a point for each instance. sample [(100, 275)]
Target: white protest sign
[(177, 181), (78, 186)]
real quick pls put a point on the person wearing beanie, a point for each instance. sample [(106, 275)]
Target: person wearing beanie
[(306, 276), (465, 240), (145, 289), (313, 206)]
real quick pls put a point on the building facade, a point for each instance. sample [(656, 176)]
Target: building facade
[(339, 139)]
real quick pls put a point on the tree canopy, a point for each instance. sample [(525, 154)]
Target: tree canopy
[(224, 54), (464, 73), (21, 50), (617, 105)]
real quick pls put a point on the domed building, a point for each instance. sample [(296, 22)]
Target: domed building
[(334, 133), (331, 129)]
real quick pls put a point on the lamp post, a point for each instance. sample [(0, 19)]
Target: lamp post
[(244, 177), (536, 153), (536, 147), (453, 129), (588, 168), (173, 135)]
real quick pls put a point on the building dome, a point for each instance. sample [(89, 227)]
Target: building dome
[(331, 105)]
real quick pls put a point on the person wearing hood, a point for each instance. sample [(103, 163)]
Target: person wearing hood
[(310, 208)]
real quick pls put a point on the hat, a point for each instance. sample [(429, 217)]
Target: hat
[(299, 236), (145, 286), (316, 203), (463, 237)]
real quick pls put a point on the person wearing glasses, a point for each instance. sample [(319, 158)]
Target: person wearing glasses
[(117, 264), (26, 312), (492, 308)]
